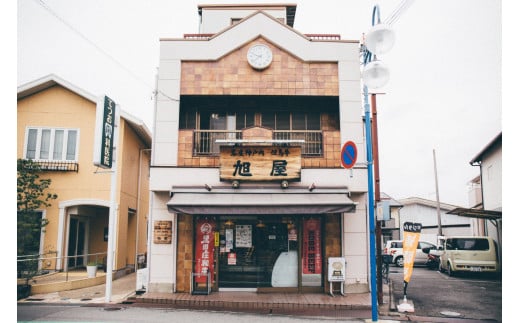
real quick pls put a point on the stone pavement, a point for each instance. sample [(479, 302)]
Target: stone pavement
[(311, 305), (122, 288)]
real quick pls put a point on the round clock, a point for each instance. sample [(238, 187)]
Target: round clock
[(259, 56)]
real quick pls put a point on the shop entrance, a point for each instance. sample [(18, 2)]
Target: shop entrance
[(269, 252)]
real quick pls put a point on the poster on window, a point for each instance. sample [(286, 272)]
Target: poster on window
[(229, 240), (244, 236), (311, 253), (205, 245)]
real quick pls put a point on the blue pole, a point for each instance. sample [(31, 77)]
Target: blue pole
[(370, 205)]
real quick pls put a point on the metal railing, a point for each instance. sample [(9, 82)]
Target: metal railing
[(313, 139), (29, 266), (311, 36), (204, 141)]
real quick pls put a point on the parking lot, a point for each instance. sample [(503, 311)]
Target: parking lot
[(435, 294)]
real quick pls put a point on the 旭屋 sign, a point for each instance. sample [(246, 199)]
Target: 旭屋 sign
[(260, 163), (105, 129)]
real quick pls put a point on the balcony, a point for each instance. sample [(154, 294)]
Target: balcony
[(204, 141), (58, 166)]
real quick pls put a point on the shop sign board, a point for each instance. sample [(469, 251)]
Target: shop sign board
[(260, 163), (204, 249), (311, 252), (105, 128), (162, 232), (337, 269)]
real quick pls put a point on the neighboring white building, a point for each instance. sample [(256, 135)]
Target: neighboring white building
[(424, 211), (489, 159)]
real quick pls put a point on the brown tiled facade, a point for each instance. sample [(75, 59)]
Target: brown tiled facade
[(331, 151), (184, 252), (287, 75), (232, 75)]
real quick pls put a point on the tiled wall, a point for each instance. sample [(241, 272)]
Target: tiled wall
[(287, 75), (184, 252)]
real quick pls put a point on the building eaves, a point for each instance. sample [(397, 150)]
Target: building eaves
[(393, 202), (426, 202), (290, 8), (48, 81), (492, 144), (258, 25)]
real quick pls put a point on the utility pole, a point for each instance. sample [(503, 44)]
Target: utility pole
[(377, 197), (439, 224)]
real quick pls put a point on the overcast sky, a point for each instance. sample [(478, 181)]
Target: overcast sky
[(444, 91)]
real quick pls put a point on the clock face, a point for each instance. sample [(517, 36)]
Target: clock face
[(259, 56)]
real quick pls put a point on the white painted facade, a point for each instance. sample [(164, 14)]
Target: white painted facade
[(489, 160), (419, 210)]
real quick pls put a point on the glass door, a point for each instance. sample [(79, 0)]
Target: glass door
[(76, 242), (258, 251)]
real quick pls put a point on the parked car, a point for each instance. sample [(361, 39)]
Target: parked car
[(395, 248), (468, 254)]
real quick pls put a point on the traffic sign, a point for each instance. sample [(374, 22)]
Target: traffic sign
[(348, 154)]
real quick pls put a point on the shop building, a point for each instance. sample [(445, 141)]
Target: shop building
[(247, 186)]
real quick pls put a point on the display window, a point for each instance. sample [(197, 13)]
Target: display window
[(268, 251)]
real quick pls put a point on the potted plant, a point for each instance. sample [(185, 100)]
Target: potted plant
[(91, 269)]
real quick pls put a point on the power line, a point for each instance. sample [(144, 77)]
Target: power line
[(403, 6), (101, 50)]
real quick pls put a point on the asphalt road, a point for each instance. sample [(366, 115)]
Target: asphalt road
[(129, 314), (435, 294)]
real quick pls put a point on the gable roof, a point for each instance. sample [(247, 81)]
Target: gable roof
[(259, 24), (393, 202), (426, 202), (51, 80)]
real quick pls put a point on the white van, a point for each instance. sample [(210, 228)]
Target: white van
[(395, 249), (468, 254)]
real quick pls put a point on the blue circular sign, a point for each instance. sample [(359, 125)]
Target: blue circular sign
[(348, 154)]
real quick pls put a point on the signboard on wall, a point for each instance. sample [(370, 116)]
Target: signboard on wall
[(162, 232), (260, 163)]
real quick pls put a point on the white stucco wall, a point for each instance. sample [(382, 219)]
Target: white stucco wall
[(492, 179), (356, 246), (214, 20), (427, 216), (162, 256)]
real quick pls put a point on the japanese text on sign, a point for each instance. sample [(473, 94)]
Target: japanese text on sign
[(205, 245), (260, 163)]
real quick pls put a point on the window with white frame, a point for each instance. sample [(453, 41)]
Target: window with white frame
[(58, 144)]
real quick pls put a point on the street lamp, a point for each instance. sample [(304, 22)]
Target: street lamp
[(375, 74)]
